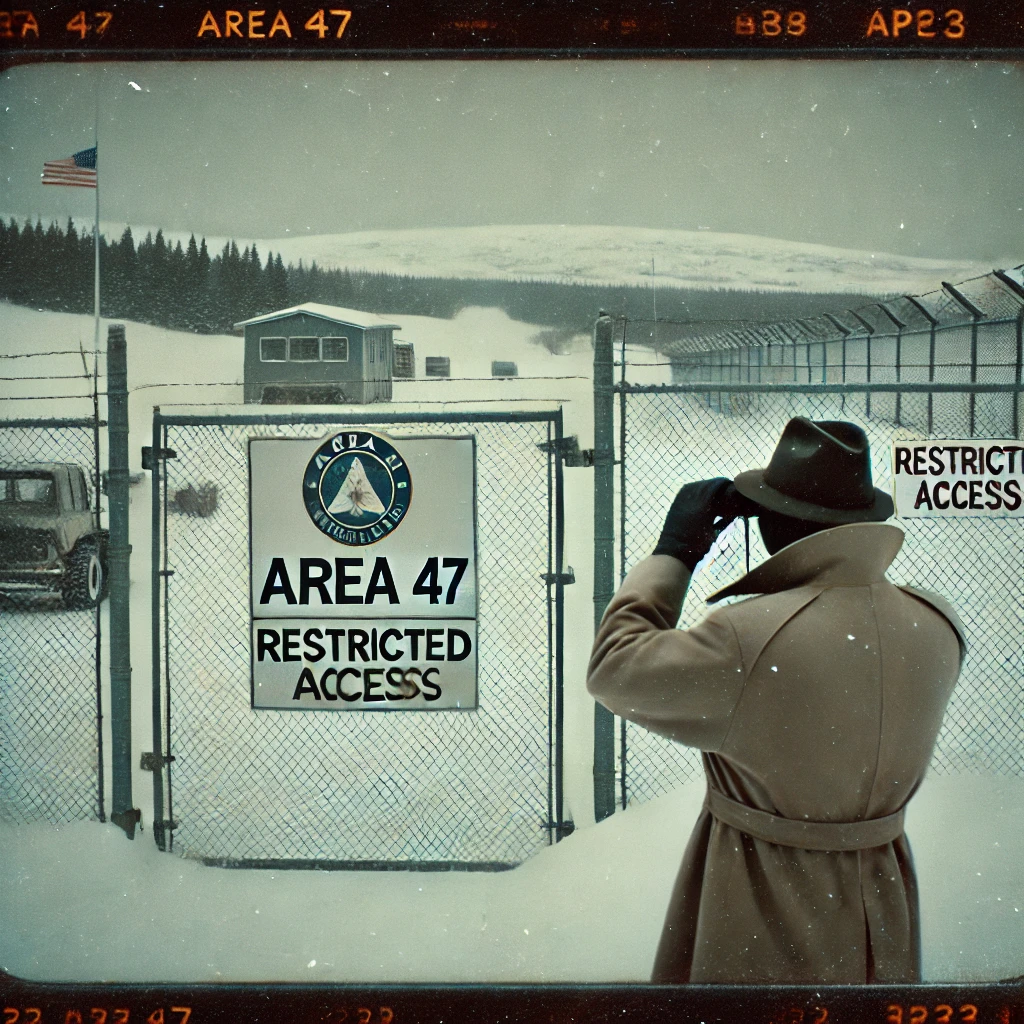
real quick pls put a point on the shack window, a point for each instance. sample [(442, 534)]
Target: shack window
[(304, 350), (371, 346), (334, 350), (272, 350)]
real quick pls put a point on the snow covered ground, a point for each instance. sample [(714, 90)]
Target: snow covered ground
[(78, 901)]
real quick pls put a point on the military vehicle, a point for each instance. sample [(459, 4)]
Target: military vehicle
[(49, 540)]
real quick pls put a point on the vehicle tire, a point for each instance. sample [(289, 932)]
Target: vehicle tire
[(85, 580)]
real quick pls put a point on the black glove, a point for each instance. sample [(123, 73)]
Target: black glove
[(700, 512)]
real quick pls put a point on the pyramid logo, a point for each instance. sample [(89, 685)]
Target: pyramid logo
[(374, 491), (356, 495)]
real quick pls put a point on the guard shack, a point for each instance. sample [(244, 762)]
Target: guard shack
[(318, 355)]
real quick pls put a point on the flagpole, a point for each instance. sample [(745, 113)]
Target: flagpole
[(101, 786), (96, 231)]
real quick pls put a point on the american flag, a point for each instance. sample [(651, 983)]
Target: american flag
[(78, 170)]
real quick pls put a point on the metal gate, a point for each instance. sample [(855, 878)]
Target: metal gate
[(474, 789), (671, 434), (51, 756)]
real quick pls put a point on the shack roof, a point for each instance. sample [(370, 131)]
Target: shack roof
[(335, 314)]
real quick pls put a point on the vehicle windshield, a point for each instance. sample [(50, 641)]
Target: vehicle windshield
[(27, 491)]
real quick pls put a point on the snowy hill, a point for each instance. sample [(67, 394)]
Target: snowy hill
[(619, 255), (602, 254)]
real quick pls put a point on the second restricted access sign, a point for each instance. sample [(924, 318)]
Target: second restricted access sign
[(363, 575), (942, 479)]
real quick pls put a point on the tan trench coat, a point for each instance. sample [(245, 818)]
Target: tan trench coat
[(818, 701)]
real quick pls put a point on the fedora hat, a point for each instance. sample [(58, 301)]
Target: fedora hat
[(820, 471)]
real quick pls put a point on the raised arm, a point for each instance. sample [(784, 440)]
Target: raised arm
[(680, 683), (683, 684)]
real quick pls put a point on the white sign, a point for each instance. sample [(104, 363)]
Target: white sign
[(958, 478), (363, 583)]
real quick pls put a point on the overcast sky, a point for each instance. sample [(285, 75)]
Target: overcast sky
[(913, 157)]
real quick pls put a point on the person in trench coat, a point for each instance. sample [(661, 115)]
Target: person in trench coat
[(816, 705)]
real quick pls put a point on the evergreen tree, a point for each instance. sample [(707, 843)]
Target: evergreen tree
[(120, 278), (7, 242), (34, 280), (194, 284), (49, 269), (142, 286), (176, 298), (253, 297), (204, 285), (279, 284), (10, 263), (159, 311), (76, 271)]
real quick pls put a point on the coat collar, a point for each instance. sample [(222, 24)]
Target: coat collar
[(850, 555)]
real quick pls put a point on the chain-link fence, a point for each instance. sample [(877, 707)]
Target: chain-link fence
[(966, 333), (673, 434), (471, 788), (50, 696)]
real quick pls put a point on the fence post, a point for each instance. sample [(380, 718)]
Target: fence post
[(604, 550), (1018, 292), (932, 328), (899, 325), (118, 553), (899, 373), (868, 332), (1017, 372), (976, 316), (156, 526), (843, 333), (932, 324)]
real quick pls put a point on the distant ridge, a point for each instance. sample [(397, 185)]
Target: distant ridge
[(602, 255), (622, 256)]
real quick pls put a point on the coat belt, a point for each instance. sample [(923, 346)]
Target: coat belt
[(836, 836)]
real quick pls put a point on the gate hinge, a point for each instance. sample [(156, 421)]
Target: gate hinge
[(565, 578), (127, 820), (162, 453), (561, 828), (568, 449), (161, 827), (151, 762)]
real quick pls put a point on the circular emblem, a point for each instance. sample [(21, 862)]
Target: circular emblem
[(356, 488)]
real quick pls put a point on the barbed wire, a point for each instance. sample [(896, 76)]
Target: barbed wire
[(50, 398), (832, 366), (340, 383), (54, 352), (880, 303), (54, 376), (442, 380), (623, 318), (376, 406)]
